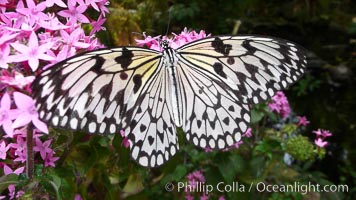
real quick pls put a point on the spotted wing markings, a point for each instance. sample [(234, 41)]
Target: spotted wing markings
[(152, 129), (128, 88), (254, 67), (212, 117), (80, 101)]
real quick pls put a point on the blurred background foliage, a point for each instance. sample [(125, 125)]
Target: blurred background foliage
[(99, 167)]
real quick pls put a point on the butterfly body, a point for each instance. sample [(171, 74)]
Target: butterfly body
[(206, 87)]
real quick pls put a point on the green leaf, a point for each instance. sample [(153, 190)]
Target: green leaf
[(133, 185), (179, 172), (38, 169), (256, 116), (56, 184), (229, 166), (7, 180)]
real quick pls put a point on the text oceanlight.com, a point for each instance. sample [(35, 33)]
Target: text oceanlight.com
[(302, 188)]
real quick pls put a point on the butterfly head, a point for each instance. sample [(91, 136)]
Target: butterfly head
[(165, 44)]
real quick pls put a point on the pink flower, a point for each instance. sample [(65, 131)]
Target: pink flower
[(149, 42), (8, 170), (5, 37), (322, 133), (125, 140), (52, 23), (73, 39), (234, 146), (208, 149), (21, 156), (93, 3), (188, 196), (248, 133), (27, 112), (3, 150), (178, 40), (18, 80), (204, 197), (98, 25), (43, 148), (75, 14), (221, 198), (326, 133), (302, 121), (78, 197), (102, 6), (280, 104), (4, 56), (319, 142), (20, 145), (6, 115), (185, 37), (50, 3), (237, 144), (12, 191), (33, 11), (318, 133), (20, 151), (33, 52), (195, 176), (193, 179), (49, 160)]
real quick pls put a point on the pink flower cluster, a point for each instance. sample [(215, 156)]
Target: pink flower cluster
[(13, 155), (302, 121), (195, 179), (35, 35), (280, 104), (178, 40), (125, 140), (321, 135)]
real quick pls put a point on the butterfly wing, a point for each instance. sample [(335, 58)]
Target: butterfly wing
[(253, 67), (153, 128), (223, 75), (105, 91), (212, 116)]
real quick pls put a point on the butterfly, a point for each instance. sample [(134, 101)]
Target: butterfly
[(206, 87)]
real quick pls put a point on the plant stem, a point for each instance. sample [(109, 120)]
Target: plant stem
[(29, 150)]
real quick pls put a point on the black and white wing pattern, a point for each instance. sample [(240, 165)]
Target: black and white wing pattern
[(105, 91), (206, 87), (223, 75)]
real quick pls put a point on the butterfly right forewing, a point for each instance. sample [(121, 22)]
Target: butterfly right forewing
[(254, 67)]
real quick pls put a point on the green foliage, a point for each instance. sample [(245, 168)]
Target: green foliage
[(300, 148), (306, 85), (99, 167)]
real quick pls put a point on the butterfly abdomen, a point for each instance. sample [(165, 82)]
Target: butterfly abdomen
[(170, 60)]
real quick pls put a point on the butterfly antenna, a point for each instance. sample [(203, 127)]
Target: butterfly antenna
[(137, 33), (169, 22)]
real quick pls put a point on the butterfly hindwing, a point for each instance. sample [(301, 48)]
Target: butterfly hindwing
[(152, 129), (213, 118)]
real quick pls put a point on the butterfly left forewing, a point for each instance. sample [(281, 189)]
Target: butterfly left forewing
[(92, 91)]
